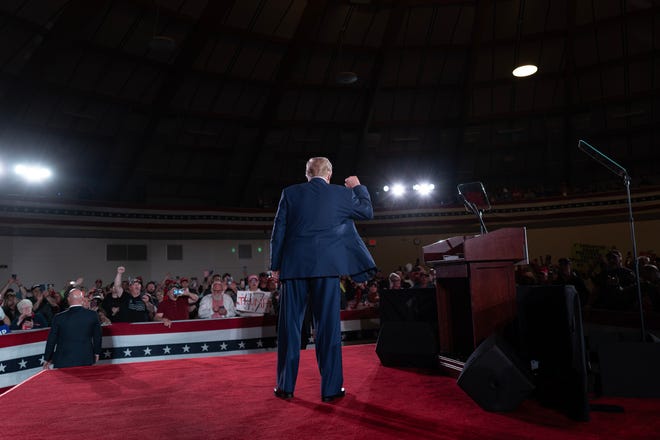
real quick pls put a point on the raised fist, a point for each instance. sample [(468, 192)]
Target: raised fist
[(121, 269), (351, 181)]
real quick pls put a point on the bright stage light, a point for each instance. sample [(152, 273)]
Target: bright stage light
[(398, 190), (33, 173), (424, 189), (386, 188)]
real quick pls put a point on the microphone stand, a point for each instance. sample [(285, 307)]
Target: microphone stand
[(621, 172), (476, 211)]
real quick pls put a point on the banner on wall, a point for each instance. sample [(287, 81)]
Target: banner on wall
[(253, 302)]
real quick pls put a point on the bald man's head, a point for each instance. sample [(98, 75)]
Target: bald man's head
[(76, 297)]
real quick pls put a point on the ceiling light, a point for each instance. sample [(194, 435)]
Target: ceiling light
[(526, 70), (346, 77)]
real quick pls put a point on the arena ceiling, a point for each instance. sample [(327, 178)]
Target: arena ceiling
[(220, 103)]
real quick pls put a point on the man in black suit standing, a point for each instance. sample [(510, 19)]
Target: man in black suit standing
[(75, 335)]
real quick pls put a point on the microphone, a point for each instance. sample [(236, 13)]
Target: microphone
[(602, 159)]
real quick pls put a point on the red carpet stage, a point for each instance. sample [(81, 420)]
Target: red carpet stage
[(231, 397)]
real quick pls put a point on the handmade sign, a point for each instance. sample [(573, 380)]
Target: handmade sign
[(253, 302)]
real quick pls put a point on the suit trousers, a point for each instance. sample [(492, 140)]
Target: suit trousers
[(324, 296)]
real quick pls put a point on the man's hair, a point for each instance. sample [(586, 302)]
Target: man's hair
[(318, 167)]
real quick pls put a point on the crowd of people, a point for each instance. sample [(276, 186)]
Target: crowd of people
[(174, 298), (610, 283)]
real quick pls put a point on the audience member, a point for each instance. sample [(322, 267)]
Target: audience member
[(174, 306), (263, 281), (27, 319), (566, 276), (17, 283), (650, 285), (41, 305), (134, 305), (9, 305), (218, 304), (253, 283), (395, 281), (615, 286), (372, 296)]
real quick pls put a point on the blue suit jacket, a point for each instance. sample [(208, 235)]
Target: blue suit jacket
[(314, 234), (74, 338)]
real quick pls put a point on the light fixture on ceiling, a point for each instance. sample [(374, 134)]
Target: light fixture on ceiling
[(525, 70), (160, 43), (344, 76)]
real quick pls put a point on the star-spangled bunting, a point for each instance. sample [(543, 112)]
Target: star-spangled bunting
[(188, 349)]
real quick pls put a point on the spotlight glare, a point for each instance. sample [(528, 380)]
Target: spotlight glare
[(386, 188), (33, 173), (398, 190), (424, 189)]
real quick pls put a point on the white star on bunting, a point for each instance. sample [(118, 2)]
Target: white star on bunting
[(22, 364), (205, 347), (223, 346), (167, 350), (147, 351), (186, 349), (241, 344), (127, 352)]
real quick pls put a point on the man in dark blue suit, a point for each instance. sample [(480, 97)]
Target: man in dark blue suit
[(75, 335), (314, 242)]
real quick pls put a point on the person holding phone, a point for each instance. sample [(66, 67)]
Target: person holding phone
[(175, 304)]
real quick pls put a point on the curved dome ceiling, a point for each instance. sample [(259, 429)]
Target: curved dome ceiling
[(220, 103)]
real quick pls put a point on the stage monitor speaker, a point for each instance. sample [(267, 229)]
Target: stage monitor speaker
[(552, 339), (407, 344), (412, 305), (494, 377)]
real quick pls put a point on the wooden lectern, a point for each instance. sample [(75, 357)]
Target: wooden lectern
[(475, 288)]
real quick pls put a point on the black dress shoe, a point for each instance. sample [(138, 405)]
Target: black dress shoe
[(339, 395), (282, 394)]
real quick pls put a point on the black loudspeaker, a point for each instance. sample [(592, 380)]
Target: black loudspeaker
[(407, 344), (494, 377), (552, 339), (408, 334), (410, 305)]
